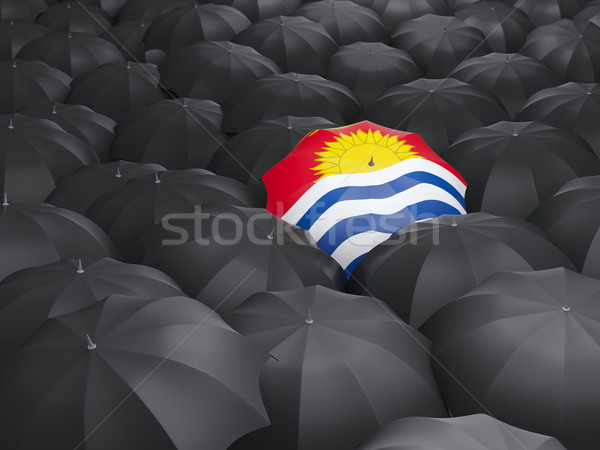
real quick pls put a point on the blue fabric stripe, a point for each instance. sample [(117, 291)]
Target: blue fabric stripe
[(350, 267)]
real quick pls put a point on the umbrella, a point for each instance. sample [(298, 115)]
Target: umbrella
[(221, 254), (394, 12), (370, 68), (433, 262), (337, 360), (573, 106), (15, 34), (213, 69), (262, 9), (439, 43), (75, 17), (524, 346), (116, 90), (36, 154), (549, 11), (475, 432), (103, 377), (21, 9), (296, 44), (30, 296), (25, 83), (571, 49), (127, 37), (438, 110), (127, 212), (293, 94), (148, 10), (353, 187), (512, 77), (71, 52), (511, 167), (110, 7), (589, 13)]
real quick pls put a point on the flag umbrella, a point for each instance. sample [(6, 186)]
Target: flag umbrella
[(438, 110), (127, 37), (442, 259), (573, 106), (293, 94), (296, 44), (148, 9), (262, 9), (75, 17), (549, 11), (30, 296), (341, 366), (14, 34), (511, 167), (394, 12), (524, 346), (511, 77), (103, 377), (369, 68), (213, 69), (589, 13), (353, 187), (22, 9), (221, 254), (474, 432)]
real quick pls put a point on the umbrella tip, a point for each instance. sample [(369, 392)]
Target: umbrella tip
[(80, 266), (589, 92), (453, 224), (185, 104), (69, 35), (309, 320), (371, 162), (12, 22), (129, 64), (10, 123), (118, 174), (91, 345), (445, 29), (229, 47), (5, 199), (270, 235), (54, 108), (156, 178), (14, 64), (567, 306)]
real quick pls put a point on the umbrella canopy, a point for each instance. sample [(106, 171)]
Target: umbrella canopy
[(512, 77), (221, 254), (30, 296), (511, 167), (73, 53), (178, 134), (25, 83), (475, 432), (103, 377), (394, 12), (571, 49), (573, 106), (589, 13), (14, 34), (148, 10), (213, 69), (262, 9), (294, 94), (369, 68), (127, 36), (75, 17), (22, 9), (439, 43), (549, 11), (111, 7), (296, 44), (541, 374), (353, 187), (335, 366), (438, 110), (441, 259)]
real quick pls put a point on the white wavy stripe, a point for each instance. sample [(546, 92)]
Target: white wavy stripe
[(384, 206), (358, 245), (327, 184)]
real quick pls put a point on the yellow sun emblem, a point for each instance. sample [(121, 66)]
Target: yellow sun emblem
[(361, 152)]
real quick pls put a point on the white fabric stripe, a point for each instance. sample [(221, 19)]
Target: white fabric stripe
[(357, 245)]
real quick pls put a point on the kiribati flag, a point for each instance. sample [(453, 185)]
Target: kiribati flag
[(353, 187)]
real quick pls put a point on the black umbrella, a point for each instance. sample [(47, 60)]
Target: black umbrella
[(437, 110), (573, 106), (25, 83), (75, 17), (341, 366), (291, 94), (127, 37), (148, 10), (116, 90), (369, 68), (548, 11), (296, 44), (73, 53), (511, 77), (111, 7), (511, 167), (132, 372), (589, 13), (433, 262), (439, 43), (571, 49), (524, 346), (14, 34), (475, 432), (394, 12), (262, 9), (221, 254), (31, 296), (22, 9)]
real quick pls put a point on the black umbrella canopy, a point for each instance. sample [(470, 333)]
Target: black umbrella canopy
[(474, 432), (30, 296), (369, 68), (261, 9), (14, 34), (296, 44), (511, 167), (213, 69), (589, 13), (512, 77), (439, 43), (110, 7), (394, 12), (438, 110), (116, 89), (573, 106), (102, 377), (221, 254), (524, 346), (127, 37), (571, 49), (548, 11), (22, 9), (75, 17), (148, 10), (341, 366), (441, 259)]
